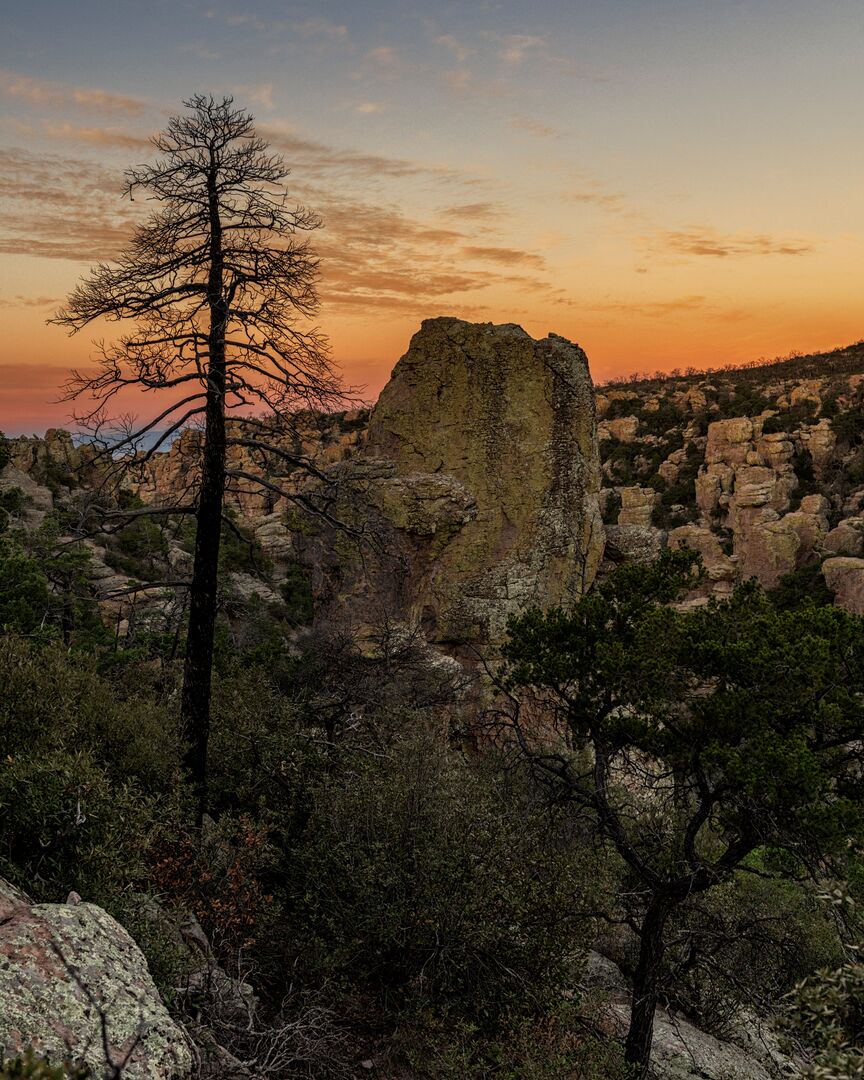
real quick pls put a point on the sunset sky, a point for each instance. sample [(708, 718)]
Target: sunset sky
[(666, 182)]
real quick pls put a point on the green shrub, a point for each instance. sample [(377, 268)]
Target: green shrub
[(611, 507), (747, 943), (848, 427), (53, 700), (65, 824), (661, 420), (25, 600), (419, 880), (802, 586), (296, 591), (559, 1044), (139, 549), (790, 419)]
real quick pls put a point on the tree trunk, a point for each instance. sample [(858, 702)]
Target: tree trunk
[(197, 673), (643, 1001)]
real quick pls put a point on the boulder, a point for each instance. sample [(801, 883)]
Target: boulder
[(821, 441), (845, 578), (670, 469), (718, 566), (274, 537), (38, 498), (61, 965), (637, 506), (767, 548), (730, 441), (633, 543), (846, 539), (807, 392), (681, 1051), (810, 522), (624, 429), (495, 476)]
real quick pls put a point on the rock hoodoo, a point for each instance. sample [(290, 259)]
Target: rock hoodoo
[(484, 440)]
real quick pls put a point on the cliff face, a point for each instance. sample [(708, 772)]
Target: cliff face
[(760, 470)]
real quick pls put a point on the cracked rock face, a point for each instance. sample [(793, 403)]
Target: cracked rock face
[(497, 432)]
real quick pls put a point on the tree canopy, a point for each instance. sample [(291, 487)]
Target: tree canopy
[(701, 742)]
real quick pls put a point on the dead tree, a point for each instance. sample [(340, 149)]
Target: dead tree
[(220, 283)]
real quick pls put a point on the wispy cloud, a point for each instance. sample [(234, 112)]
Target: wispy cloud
[(29, 301), (473, 211), (652, 309), (595, 196), (202, 52), (42, 92), (697, 240), (95, 136), (515, 48), (62, 208), (369, 108), (531, 126), (507, 256), (314, 159), (321, 28), (382, 259), (384, 62)]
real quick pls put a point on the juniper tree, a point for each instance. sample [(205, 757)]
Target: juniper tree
[(220, 283), (702, 744)]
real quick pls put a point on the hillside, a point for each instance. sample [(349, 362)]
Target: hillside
[(760, 469)]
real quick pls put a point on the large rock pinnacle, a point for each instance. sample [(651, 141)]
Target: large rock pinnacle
[(507, 424)]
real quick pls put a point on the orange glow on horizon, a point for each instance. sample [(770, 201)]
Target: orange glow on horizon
[(30, 402)]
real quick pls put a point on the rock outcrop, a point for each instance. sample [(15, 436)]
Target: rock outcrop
[(65, 969), (845, 577), (481, 460), (478, 472), (474, 482)]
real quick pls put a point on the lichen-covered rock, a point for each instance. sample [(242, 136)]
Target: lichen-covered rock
[(679, 1050), (729, 440), (38, 499), (623, 429), (821, 442), (767, 547), (60, 965), (493, 442), (633, 543)]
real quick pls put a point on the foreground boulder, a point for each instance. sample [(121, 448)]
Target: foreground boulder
[(488, 476), (69, 970), (681, 1051)]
